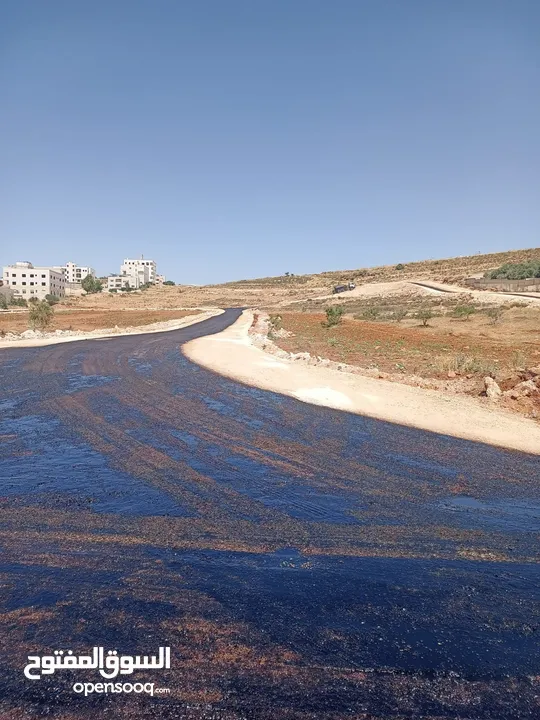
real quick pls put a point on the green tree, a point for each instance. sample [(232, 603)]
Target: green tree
[(400, 266), (425, 315), (18, 302), (515, 271), (3, 302), (91, 284), (52, 299), (169, 282), (334, 315), (41, 315)]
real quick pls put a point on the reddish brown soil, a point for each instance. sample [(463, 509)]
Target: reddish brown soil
[(424, 351), (92, 319)]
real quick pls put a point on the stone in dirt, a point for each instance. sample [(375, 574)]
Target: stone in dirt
[(524, 389), (493, 391)]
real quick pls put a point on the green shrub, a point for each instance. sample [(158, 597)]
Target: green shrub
[(400, 267), (371, 313), (3, 302), (425, 315), (515, 271), (399, 314), (40, 315), (18, 302), (169, 282), (52, 299), (464, 311), (334, 314)]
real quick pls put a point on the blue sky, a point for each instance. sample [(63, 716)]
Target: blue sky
[(230, 139)]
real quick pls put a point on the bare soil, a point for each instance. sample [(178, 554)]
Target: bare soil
[(86, 319), (447, 344)]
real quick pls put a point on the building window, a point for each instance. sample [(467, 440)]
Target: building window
[(13, 274), (24, 282), (43, 276), (43, 284), (24, 275)]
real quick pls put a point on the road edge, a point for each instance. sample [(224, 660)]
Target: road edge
[(230, 353)]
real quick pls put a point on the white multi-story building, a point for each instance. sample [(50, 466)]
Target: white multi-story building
[(76, 273), (27, 281), (130, 265), (137, 276)]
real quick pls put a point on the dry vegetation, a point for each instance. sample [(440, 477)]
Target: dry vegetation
[(447, 344)]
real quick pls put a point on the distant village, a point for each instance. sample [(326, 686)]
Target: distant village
[(24, 281)]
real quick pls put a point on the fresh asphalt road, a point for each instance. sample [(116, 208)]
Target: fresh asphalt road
[(300, 562)]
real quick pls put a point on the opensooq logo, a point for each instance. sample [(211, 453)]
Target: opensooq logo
[(109, 666)]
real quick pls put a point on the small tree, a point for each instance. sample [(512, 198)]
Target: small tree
[(40, 315), (169, 282), (91, 284), (400, 266), (425, 315), (399, 314), (52, 299), (3, 302), (334, 315), (18, 302), (464, 311)]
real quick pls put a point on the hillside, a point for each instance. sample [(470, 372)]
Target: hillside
[(280, 290)]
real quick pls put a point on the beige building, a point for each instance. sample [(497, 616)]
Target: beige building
[(130, 265), (135, 277), (76, 273), (27, 281)]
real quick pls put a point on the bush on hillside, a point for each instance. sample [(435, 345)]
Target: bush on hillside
[(515, 271)]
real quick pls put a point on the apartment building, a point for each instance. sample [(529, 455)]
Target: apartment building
[(135, 277), (76, 273), (129, 265), (27, 281)]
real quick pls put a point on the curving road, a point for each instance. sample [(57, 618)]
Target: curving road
[(300, 562)]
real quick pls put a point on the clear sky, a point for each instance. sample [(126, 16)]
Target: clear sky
[(241, 138)]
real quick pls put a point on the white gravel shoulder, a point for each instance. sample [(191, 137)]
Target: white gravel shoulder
[(232, 354)]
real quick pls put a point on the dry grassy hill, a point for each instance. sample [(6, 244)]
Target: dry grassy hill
[(448, 270), (279, 291)]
